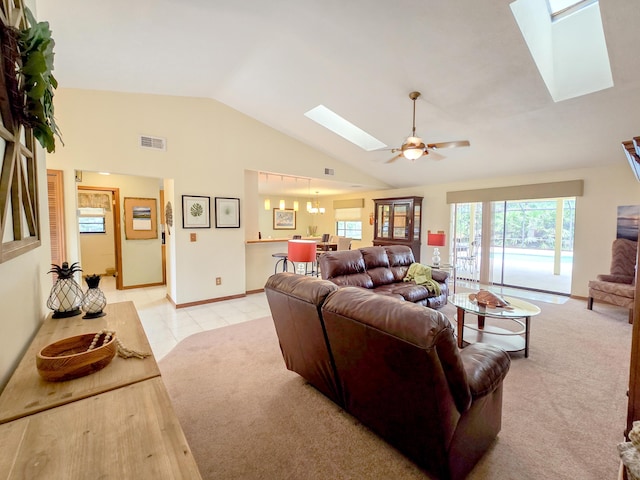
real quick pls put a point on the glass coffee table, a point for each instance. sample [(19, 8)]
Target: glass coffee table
[(517, 315)]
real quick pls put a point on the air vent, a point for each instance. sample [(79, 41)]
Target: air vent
[(329, 171), (155, 143)]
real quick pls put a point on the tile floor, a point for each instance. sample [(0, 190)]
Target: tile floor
[(165, 325)]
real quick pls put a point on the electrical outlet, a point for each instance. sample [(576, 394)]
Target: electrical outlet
[(218, 280)]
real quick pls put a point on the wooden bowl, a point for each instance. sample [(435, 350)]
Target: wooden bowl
[(68, 358)]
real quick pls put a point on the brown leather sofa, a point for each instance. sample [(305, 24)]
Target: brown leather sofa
[(395, 366), (382, 269)]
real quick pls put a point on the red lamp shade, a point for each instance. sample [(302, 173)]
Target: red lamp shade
[(436, 239), (301, 250)]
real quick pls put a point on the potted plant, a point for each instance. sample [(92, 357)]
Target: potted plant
[(28, 65)]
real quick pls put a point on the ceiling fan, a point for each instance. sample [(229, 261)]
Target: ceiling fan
[(414, 148)]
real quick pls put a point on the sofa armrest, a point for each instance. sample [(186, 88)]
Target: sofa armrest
[(439, 275), (616, 278), (485, 366)]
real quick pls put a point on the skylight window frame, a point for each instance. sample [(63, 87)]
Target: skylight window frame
[(571, 55), (569, 10), (330, 120)]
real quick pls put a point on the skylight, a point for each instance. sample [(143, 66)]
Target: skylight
[(571, 54), (560, 7), (347, 130)]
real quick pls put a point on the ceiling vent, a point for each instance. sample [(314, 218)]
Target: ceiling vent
[(155, 143), (329, 171)]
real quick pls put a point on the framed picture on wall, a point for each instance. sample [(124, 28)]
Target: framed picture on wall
[(196, 211), (284, 219), (628, 221), (227, 212), (140, 218)]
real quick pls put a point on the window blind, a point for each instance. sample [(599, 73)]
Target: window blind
[(347, 214), (571, 188)]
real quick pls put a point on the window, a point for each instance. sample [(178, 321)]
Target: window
[(349, 228), (91, 220)]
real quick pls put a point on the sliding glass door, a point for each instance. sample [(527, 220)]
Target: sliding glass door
[(533, 244), (467, 240), (530, 244)]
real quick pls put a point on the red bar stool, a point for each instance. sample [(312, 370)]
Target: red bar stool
[(302, 251)]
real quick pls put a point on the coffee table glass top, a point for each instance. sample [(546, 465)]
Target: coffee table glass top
[(518, 308)]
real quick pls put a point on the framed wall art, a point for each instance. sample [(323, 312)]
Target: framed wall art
[(140, 218), (284, 219), (227, 212), (196, 211)]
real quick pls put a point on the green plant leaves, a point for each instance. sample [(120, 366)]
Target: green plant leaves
[(36, 51)]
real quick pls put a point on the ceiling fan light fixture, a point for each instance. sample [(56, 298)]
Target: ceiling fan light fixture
[(412, 153)]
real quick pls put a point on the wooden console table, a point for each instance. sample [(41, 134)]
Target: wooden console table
[(28, 393), (114, 423)]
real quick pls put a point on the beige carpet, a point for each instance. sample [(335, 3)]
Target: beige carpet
[(247, 417)]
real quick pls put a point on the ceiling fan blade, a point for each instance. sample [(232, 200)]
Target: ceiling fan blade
[(391, 160), (458, 143), (432, 155)]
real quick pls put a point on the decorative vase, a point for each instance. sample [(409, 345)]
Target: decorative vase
[(94, 300), (66, 295)]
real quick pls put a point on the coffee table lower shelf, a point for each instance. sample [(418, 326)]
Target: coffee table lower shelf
[(508, 340)]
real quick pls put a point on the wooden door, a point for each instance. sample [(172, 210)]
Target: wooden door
[(55, 195)]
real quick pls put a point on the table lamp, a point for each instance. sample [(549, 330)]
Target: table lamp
[(301, 252), (436, 240)]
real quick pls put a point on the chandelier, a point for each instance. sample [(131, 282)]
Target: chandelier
[(315, 209)]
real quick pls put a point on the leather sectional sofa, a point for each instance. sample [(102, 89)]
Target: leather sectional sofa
[(382, 269), (395, 366)]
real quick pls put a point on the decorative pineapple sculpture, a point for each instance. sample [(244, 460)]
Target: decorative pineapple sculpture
[(94, 300), (66, 295)]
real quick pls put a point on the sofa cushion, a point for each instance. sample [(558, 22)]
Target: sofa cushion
[(346, 269), (407, 290), (374, 257), (619, 289), (377, 264)]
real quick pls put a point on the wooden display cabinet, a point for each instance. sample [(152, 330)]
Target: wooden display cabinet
[(397, 222)]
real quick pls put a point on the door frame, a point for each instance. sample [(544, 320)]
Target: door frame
[(117, 235)]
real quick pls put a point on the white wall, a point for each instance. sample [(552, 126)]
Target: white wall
[(202, 158)]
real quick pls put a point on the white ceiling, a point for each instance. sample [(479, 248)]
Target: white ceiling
[(274, 60)]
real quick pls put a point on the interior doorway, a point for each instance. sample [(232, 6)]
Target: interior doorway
[(99, 227)]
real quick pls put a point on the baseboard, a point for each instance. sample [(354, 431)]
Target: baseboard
[(211, 300), (129, 287)]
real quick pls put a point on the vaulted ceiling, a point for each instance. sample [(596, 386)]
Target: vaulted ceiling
[(274, 60)]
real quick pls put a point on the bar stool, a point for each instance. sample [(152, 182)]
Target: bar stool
[(302, 251), (282, 258)]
